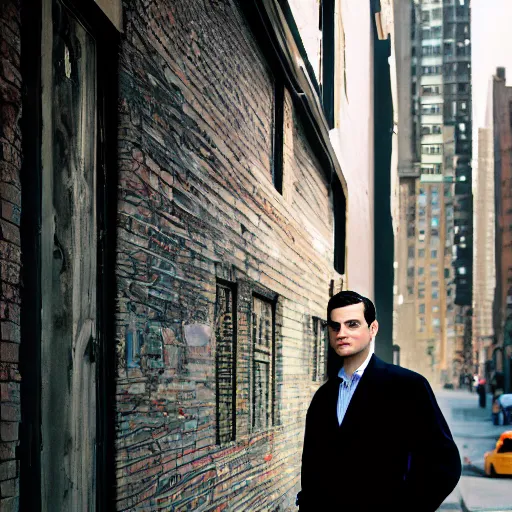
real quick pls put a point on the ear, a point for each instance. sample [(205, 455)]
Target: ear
[(374, 328)]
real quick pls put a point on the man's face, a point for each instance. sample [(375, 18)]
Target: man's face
[(349, 334)]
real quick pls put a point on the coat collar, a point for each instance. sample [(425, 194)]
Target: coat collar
[(375, 371)]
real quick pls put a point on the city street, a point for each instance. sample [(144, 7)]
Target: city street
[(474, 434)]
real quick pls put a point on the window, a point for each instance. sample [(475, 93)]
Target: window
[(434, 108), (433, 253), (327, 26), (262, 381), (435, 284), (436, 32), (421, 309), (339, 207), (430, 50), (431, 70), (225, 362), (319, 349), (278, 136), (431, 169), (436, 129), (435, 294), (421, 253), (429, 90), (436, 14), (421, 271), (431, 149), (504, 446)]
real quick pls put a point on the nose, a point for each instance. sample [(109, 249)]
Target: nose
[(341, 333)]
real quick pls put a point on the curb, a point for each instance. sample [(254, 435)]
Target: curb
[(475, 469), (463, 505)]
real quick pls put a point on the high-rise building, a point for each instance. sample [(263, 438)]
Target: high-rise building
[(500, 354), (434, 247), (484, 267)]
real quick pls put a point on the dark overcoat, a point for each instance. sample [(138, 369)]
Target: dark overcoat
[(393, 451)]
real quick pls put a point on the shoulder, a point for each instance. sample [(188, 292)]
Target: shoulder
[(324, 392), (400, 375)]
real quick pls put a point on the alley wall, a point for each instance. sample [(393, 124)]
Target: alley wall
[(222, 280)]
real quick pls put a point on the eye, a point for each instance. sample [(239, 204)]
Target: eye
[(353, 324), (335, 326)]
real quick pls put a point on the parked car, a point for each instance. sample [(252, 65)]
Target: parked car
[(502, 410), (499, 461)]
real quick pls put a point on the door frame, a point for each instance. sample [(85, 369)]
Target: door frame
[(29, 450)]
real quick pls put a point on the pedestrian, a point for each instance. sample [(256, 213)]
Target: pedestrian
[(482, 393), (375, 437)]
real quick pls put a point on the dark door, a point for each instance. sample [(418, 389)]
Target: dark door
[(68, 262)]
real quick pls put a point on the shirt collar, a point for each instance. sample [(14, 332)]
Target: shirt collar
[(359, 372)]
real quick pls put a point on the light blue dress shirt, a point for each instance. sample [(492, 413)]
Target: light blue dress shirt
[(348, 387)]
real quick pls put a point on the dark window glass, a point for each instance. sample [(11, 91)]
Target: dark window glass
[(262, 363), (225, 361)]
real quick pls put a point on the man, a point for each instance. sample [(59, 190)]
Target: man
[(375, 438)]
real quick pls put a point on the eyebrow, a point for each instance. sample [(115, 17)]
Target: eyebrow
[(332, 322)]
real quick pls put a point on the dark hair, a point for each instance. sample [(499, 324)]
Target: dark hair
[(347, 298)]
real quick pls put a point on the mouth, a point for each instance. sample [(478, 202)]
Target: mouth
[(341, 345)]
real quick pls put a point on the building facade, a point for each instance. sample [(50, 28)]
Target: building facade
[(499, 356), (174, 219), (484, 270), (434, 245)]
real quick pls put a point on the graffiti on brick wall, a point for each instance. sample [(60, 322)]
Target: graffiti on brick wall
[(144, 348)]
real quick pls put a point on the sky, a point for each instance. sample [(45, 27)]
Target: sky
[(491, 34)]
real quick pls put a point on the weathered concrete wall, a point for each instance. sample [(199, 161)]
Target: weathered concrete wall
[(352, 139), (10, 202), (197, 204)]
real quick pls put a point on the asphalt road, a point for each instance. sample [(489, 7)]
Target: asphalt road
[(474, 434)]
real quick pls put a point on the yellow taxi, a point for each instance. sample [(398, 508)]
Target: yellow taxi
[(499, 461)]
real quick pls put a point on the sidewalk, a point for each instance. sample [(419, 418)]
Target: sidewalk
[(474, 434), (484, 494)]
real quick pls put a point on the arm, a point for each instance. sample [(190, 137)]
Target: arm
[(434, 460), (306, 497), (312, 453)]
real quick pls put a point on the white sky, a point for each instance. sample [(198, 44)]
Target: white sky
[(491, 34)]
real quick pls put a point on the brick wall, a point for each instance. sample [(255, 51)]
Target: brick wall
[(197, 205), (10, 201)]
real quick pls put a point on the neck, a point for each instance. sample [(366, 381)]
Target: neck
[(352, 363)]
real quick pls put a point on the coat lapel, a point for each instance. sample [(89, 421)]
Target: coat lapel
[(362, 398)]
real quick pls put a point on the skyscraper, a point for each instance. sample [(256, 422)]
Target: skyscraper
[(434, 246)]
